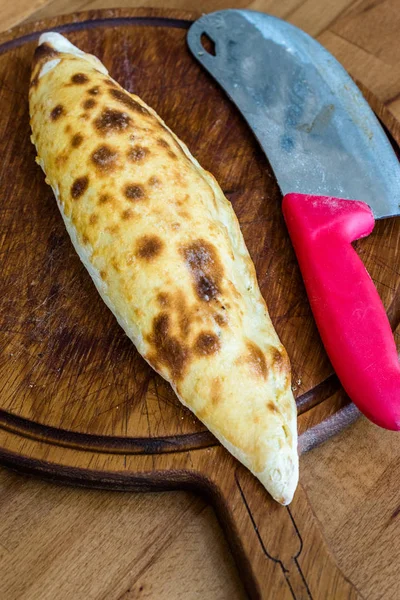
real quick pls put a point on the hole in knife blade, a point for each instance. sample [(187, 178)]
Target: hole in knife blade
[(208, 44)]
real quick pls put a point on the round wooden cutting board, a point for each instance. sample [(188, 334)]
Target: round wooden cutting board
[(77, 401)]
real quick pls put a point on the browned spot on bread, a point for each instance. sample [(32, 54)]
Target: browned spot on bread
[(256, 360), (134, 191), (110, 82), (154, 181), (79, 78), (57, 112), (184, 324), (127, 214), (179, 180), (172, 155), (163, 143), (234, 291), (103, 275), (216, 391), (213, 228), (166, 349), (34, 81), (127, 101), (185, 315), (278, 357), (77, 140), (137, 154), (205, 267), (163, 299), (104, 158), (67, 128), (85, 239), (44, 52), (115, 265), (206, 344), (280, 362), (94, 91), (221, 320), (112, 229), (112, 121), (93, 219), (271, 407), (89, 103), (148, 247), (104, 199), (61, 159), (79, 187)]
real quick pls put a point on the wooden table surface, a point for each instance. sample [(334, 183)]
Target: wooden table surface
[(58, 542)]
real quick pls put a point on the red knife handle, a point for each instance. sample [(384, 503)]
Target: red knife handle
[(348, 311)]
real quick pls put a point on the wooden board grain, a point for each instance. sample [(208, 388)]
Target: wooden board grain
[(76, 400), (58, 335), (57, 542)]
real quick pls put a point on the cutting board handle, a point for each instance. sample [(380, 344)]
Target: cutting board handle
[(280, 550)]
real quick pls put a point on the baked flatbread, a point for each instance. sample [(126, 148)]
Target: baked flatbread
[(165, 251)]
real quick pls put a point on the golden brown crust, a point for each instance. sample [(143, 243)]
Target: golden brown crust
[(165, 250)]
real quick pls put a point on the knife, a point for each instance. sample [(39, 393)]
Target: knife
[(337, 172)]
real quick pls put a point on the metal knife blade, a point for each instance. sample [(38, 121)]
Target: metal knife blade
[(317, 130)]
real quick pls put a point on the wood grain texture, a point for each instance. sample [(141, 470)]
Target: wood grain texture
[(304, 13), (59, 335), (364, 562), (12, 14), (360, 33), (352, 484), (89, 545), (77, 401)]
